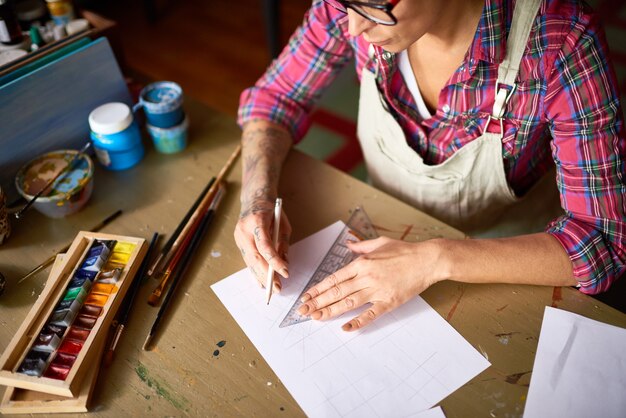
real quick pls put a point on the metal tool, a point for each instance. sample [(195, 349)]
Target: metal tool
[(358, 227)]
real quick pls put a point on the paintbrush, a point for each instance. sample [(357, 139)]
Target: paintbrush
[(128, 302), (181, 225), (155, 296), (65, 170), (172, 262), (202, 207), (185, 261), (50, 260)]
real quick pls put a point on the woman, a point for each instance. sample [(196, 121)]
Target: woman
[(466, 108)]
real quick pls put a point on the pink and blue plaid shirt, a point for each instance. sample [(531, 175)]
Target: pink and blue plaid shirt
[(565, 111)]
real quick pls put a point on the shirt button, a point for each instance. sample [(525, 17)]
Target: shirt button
[(446, 108), (387, 56)]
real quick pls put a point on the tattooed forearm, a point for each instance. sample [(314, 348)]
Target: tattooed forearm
[(255, 208), (265, 147)]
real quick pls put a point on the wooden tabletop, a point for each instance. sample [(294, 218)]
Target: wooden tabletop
[(185, 375)]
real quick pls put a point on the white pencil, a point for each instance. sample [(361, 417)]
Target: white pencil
[(270, 271)]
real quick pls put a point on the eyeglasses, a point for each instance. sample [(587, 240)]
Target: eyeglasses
[(377, 11)]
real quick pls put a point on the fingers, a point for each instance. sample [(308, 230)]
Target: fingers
[(252, 235), (284, 237), (279, 263), (330, 304), (329, 282), (366, 317), (367, 246), (255, 262)]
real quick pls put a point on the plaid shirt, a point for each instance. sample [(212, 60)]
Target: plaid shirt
[(565, 111)]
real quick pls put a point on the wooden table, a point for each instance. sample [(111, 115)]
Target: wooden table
[(182, 376)]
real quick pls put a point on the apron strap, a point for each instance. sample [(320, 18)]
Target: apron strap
[(523, 18)]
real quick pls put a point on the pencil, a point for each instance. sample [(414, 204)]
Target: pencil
[(270, 271), (128, 301), (184, 264), (50, 259), (181, 225)]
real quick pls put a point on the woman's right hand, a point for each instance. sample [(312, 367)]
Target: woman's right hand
[(253, 234), (265, 147)]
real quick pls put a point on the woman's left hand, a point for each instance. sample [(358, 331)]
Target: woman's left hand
[(387, 274)]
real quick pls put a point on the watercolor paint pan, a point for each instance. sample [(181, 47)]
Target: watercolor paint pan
[(38, 317)]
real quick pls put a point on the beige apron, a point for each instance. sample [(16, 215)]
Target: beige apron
[(469, 190)]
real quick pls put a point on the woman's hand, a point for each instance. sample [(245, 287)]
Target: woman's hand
[(387, 274), (265, 147), (253, 237)]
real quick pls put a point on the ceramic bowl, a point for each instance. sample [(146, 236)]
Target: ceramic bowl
[(68, 194)]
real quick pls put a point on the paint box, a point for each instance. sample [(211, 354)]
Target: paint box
[(22, 401), (68, 194), (84, 336)]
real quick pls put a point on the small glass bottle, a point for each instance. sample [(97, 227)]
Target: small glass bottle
[(10, 32)]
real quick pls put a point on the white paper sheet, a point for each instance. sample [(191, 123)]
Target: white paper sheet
[(580, 369), (405, 362), (431, 413)]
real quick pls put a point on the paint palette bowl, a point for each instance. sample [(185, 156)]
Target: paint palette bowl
[(68, 194)]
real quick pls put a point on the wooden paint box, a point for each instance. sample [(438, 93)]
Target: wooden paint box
[(83, 344), (24, 401)]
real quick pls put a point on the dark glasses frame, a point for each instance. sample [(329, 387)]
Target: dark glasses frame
[(344, 5)]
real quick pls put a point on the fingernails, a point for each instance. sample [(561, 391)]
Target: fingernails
[(347, 327), (316, 315), (276, 288), (283, 272), (302, 310), (305, 298)]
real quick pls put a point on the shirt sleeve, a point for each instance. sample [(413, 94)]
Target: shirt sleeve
[(582, 105), (293, 83)]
